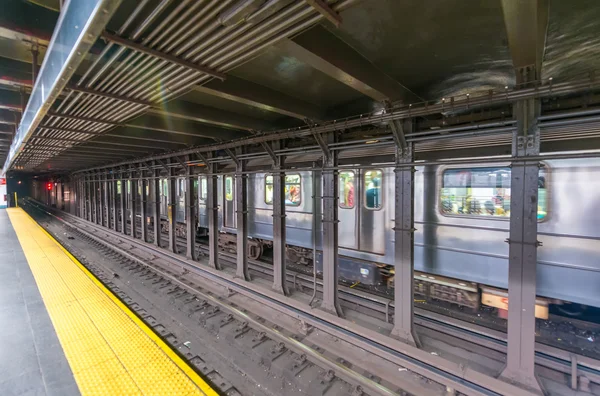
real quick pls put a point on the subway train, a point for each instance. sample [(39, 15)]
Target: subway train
[(461, 219)]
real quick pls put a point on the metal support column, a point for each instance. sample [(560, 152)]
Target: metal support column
[(404, 236), (241, 203), (172, 209), (106, 188), (123, 215), (191, 209), (101, 200), (133, 204), (93, 201), (213, 216), (143, 208), (279, 235), (523, 246), (331, 301), (156, 206), (113, 198), (88, 199)]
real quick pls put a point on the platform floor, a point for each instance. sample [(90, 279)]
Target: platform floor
[(63, 333)]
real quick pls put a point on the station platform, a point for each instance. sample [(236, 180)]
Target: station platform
[(63, 333)]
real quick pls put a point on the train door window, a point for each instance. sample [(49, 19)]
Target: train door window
[(165, 187), (229, 188), (118, 186), (203, 189), (292, 190), (128, 187), (346, 186), (484, 192), (373, 189), (269, 190), (181, 185)]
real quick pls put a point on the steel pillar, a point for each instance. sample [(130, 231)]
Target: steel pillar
[(213, 216), (106, 188), (191, 205), (101, 201), (94, 199), (88, 200), (330, 301), (241, 203), (122, 204), (133, 202), (404, 242), (172, 209), (523, 246), (156, 206), (113, 198), (279, 235), (143, 208)]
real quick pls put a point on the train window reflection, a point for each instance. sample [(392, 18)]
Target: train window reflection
[(373, 192), (484, 192), (346, 186), (229, 188), (292, 190)]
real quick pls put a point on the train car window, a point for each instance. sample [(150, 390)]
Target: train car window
[(292, 190), (346, 186), (373, 189), (229, 188), (203, 189), (483, 192), (147, 190)]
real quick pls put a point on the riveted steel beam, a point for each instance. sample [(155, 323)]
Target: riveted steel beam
[(255, 95), (526, 26), (161, 55), (327, 53), (324, 9)]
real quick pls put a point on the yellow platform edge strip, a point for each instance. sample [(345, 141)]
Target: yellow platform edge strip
[(181, 364)]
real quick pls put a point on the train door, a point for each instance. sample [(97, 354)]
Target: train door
[(372, 216), (229, 202), (348, 209)]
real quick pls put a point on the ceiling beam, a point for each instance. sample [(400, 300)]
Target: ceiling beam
[(160, 124), (327, 53), (208, 115), (323, 8), (526, 26), (255, 95)]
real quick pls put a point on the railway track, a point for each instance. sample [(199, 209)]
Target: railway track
[(467, 383)]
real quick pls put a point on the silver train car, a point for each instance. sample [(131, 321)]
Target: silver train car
[(461, 219)]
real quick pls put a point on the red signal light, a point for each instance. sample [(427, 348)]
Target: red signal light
[(49, 186)]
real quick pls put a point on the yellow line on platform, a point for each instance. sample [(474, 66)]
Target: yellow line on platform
[(110, 350)]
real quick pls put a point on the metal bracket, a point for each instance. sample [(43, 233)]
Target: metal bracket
[(164, 166), (322, 144), (181, 162), (536, 243), (202, 158), (398, 134), (233, 157), (270, 151)]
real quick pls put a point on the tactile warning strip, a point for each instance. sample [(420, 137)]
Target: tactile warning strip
[(110, 350)]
